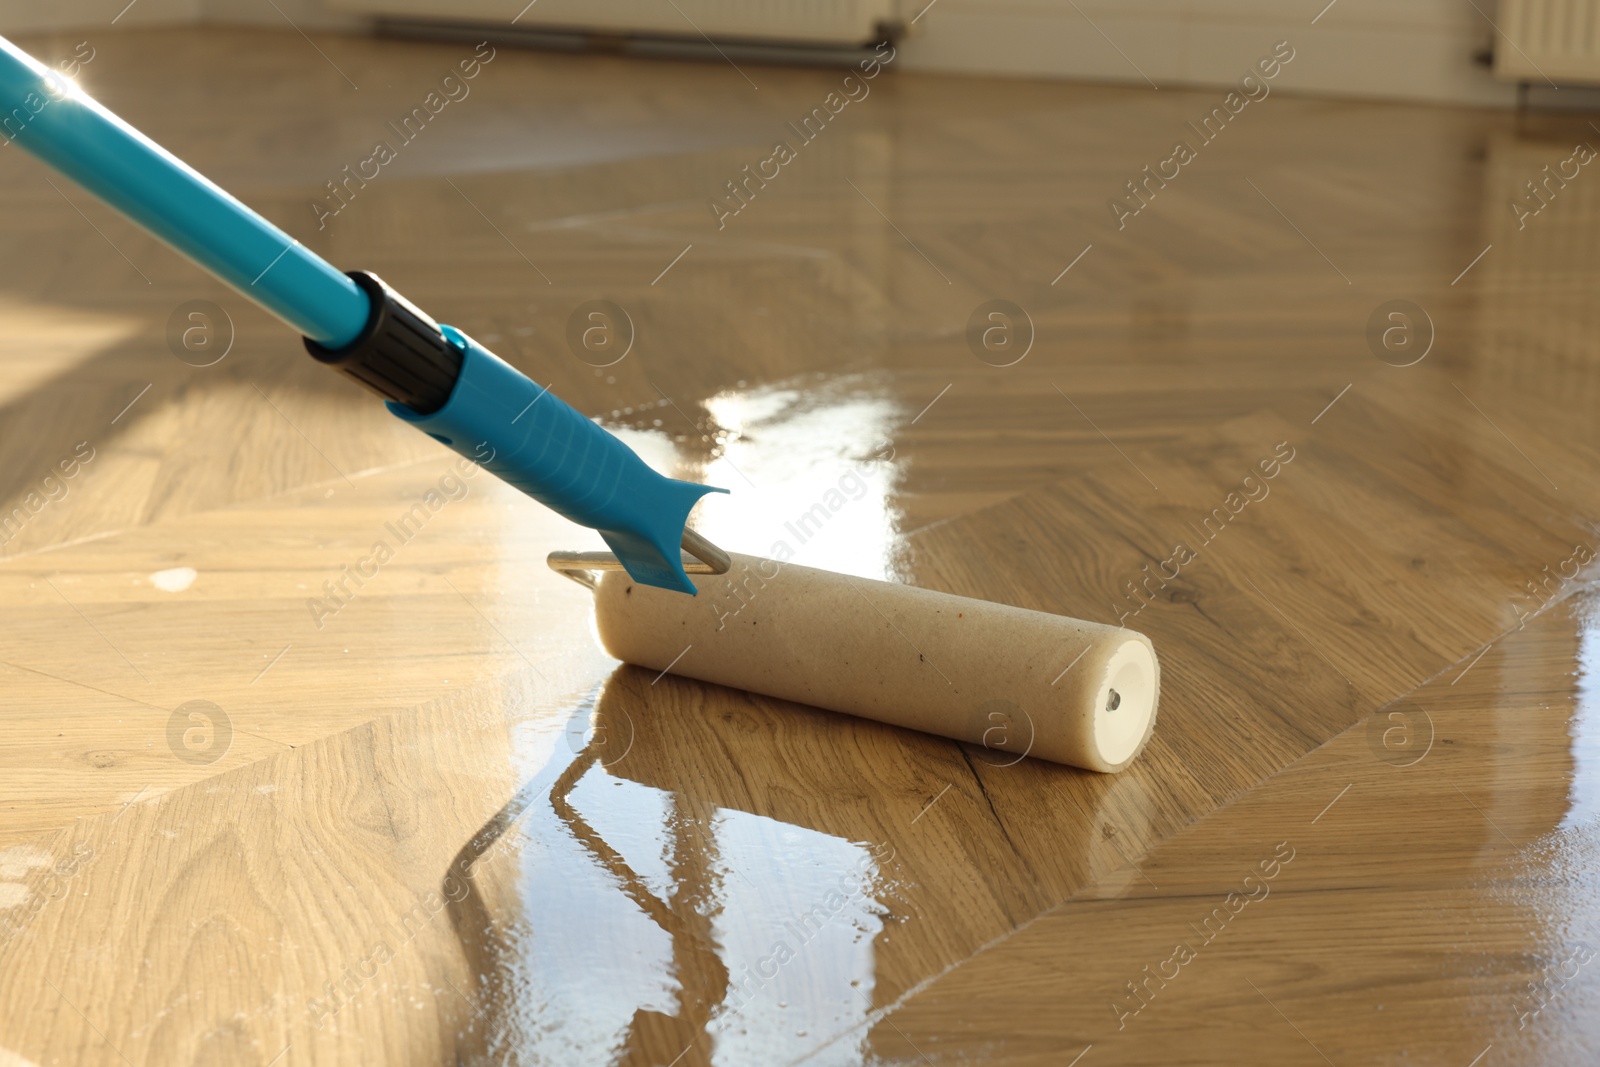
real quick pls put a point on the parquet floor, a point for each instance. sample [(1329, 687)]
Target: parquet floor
[(440, 826)]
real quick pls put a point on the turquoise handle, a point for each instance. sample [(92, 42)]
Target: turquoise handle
[(495, 415), (50, 117), (499, 418)]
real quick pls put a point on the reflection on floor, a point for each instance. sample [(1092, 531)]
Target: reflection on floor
[(719, 928), (812, 463), (258, 811)]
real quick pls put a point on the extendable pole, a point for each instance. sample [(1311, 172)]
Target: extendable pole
[(433, 376)]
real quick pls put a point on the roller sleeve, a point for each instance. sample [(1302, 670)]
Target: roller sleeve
[(1026, 682)]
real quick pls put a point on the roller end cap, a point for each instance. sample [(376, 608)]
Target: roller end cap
[(1125, 704)]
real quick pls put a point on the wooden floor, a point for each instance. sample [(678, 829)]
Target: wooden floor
[(439, 825)]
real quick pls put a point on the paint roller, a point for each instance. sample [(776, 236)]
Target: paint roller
[(968, 669)]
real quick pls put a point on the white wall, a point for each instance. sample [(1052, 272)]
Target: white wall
[(1405, 49), (307, 14), (25, 16), (32, 16)]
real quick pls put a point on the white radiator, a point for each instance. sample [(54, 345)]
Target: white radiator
[(1554, 39), (820, 22)]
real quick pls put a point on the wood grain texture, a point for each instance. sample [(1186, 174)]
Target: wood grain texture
[(1439, 903), (447, 828)]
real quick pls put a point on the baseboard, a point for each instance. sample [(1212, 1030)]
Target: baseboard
[(1354, 58)]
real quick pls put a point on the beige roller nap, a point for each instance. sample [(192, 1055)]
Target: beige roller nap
[(1019, 681)]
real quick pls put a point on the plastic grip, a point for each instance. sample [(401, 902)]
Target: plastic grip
[(524, 434)]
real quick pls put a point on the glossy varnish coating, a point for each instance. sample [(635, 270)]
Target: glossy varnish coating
[(1437, 902), (446, 827)]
